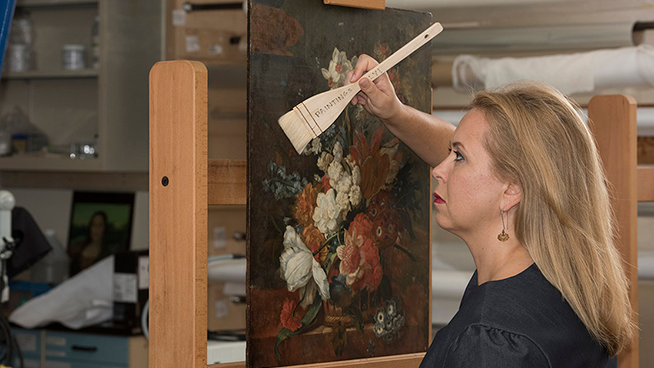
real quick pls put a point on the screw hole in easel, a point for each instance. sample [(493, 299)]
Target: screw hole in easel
[(426, 35), (164, 181)]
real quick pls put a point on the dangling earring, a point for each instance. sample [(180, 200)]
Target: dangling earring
[(503, 236)]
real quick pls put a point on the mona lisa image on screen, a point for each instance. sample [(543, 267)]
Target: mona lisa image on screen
[(100, 225)]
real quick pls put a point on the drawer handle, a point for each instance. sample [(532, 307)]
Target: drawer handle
[(89, 349)]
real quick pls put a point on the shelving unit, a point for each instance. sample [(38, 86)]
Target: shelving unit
[(59, 74), (75, 106)]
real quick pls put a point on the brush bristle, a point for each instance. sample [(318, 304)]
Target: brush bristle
[(296, 129)]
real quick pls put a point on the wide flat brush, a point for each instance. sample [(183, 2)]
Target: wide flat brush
[(314, 115)]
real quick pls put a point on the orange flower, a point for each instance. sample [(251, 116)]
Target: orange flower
[(305, 205), (314, 239), (289, 317)]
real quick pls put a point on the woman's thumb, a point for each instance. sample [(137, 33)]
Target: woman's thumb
[(367, 86)]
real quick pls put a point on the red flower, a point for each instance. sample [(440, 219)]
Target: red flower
[(362, 225), (289, 317), (383, 201), (325, 184), (386, 227), (373, 163)]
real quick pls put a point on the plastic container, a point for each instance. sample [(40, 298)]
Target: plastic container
[(73, 57), (53, 268), (95, 44)]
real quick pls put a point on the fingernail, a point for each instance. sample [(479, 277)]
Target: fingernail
[(365, 83), (352, 78)]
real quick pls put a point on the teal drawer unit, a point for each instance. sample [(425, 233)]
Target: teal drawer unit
[(80, 350), (58, 364), (29, 342)]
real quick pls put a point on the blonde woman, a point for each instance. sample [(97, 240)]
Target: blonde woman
[(522, 184)]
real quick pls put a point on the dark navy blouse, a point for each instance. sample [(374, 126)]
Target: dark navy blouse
[(521, 321)]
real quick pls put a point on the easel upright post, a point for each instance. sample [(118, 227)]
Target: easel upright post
[(613, 123), (178, 215)]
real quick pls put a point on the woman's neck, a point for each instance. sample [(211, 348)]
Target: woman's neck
[(496, 260)]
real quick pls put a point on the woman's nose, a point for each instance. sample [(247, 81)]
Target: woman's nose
[(439, 172)]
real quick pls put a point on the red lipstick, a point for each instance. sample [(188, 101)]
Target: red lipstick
[(438, 199)]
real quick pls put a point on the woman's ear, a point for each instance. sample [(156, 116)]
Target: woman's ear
[(512, 196)]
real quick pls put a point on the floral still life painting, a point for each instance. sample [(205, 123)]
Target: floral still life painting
[(338, 236)]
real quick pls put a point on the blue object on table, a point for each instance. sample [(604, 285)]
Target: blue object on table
[(6, 15)]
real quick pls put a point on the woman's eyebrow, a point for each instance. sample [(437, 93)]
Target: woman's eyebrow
[(457, 144)]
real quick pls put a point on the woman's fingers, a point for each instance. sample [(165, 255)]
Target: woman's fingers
[(364, 63)]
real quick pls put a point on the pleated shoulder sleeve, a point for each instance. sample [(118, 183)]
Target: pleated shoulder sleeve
[(480, 346)]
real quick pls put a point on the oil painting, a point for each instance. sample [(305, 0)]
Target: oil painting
[(338, 236)]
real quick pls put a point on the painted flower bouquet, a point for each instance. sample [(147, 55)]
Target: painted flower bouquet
[(345, 223)]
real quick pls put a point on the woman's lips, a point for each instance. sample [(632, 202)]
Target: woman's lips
[(438, 199)]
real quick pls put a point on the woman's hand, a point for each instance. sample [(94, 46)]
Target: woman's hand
[(424, 133), (377, 97)]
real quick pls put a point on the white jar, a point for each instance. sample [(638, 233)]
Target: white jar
[(73, 57), (19, 57)]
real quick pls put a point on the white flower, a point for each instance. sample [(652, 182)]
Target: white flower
[(343, 184), (327, 213), (338, 152), (390, 148), (355, 195), (314, 147), (301, 271), (350, 161), (324, 160), (343, 202), (339, 66), (334, 172), (356, 175), (392, 172)]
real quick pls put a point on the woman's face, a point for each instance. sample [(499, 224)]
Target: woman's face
[(97, 228), (468, 194)]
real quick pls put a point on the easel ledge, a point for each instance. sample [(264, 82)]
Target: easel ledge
[(393, 361), (365, 4)]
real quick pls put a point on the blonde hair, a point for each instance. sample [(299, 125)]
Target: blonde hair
[(538, 140)]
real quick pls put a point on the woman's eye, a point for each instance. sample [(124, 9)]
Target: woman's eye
[(459, 156)]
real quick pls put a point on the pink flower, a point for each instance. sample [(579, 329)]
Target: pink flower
[(359, 256)]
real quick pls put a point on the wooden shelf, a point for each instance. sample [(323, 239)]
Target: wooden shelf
[(227, 182), (645, 178), (53, 74), (27, 163), (27, 3)]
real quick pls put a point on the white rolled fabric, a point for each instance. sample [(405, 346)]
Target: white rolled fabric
[(573, 73), (646, 265), (232, 270)]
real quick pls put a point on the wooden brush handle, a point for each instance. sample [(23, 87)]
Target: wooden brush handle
[(404, 51)]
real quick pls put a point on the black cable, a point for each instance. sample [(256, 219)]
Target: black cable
[(8, 339)]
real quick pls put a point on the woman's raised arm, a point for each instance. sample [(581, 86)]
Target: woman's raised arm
[(427, 135)]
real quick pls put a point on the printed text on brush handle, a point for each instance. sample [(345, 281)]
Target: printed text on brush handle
[(334, 102)]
